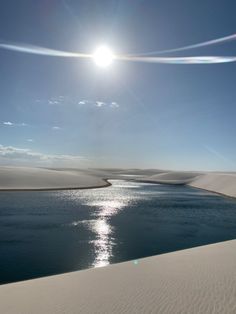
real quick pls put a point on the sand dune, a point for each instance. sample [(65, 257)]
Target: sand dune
[(131, 171), (223, 183), (22, 178), (218, 182), (173, 177), (26, 178), (199, 280)]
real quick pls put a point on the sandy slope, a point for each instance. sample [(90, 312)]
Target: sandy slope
[(22, 178), (199, 280), (25, 178), (219, 182), (173, 177), (224, 183)]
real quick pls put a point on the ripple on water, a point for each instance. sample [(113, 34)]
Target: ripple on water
[(76, 229)]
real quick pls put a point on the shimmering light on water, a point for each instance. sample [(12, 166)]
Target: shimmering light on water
[(102, 244), (105, 204), (45, 233)]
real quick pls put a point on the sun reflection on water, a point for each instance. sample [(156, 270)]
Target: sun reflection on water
[(103, 229), (103, 204), (103, 244)]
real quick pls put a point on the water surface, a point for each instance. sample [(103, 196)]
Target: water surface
[(45, 233)]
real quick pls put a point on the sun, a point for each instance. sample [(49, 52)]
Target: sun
[(103, 56)]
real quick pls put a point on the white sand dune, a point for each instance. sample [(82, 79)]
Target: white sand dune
[(28, 178), (223, 183), (199, 280), (173, 177), (218, 182), (25, 178)]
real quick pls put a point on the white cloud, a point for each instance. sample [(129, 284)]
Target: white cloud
[(15, 155), (114, 105), (56, 128), (30, 140), (8, 123), (100, 103), (72, 101), (53, 102), (82, 102), (56, 100)]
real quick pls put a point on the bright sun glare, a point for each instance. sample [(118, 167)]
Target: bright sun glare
[(103, 56)]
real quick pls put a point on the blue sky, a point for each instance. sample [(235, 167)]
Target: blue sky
[(68, 112)]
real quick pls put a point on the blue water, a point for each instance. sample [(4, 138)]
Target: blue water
[(46, 233)]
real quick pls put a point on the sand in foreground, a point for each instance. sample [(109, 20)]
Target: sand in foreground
[(199, 280)]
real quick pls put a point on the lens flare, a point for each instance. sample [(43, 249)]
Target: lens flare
[(208, 43), (103, 56)]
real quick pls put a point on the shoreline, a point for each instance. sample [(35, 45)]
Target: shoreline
[(191, 280), (186, 184), (107, 184), (23, 179), (214, 192)]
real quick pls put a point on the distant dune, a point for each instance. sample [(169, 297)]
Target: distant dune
[(218, 182), (198, 280), (173, 177), (25, 178)]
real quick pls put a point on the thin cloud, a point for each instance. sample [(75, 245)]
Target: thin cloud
[(30, 140), (53, 102), (8, 123), (114, 105), (56, 100), (218, 154), (56, 128), (82, 102), (68, 101), (100, 104), (26, 155)]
